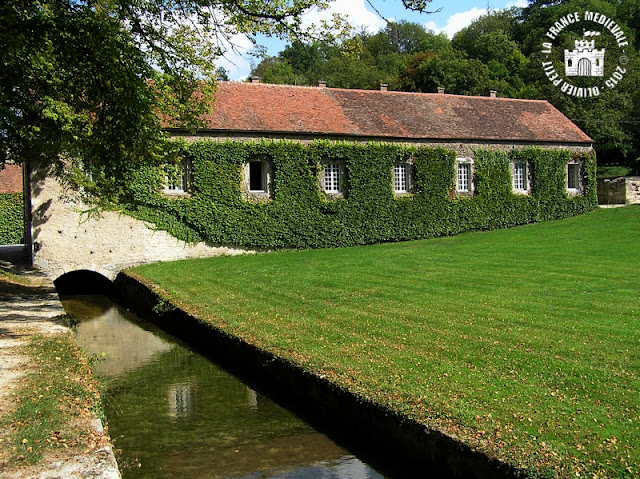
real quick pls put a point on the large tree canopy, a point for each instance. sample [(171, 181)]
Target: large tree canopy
[(86, 84)]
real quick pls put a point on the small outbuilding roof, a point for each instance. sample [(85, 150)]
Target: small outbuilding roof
[(320, 111)]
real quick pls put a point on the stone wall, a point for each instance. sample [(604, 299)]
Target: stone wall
[(619, 191), (461, 147), (65, 238), (633, 190)]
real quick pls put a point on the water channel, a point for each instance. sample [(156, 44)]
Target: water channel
[(174, 413)]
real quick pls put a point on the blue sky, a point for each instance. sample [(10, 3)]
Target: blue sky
[(453, 16)]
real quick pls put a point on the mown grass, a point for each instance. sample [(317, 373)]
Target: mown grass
[(524, 343), (612, 171), (54, 404)]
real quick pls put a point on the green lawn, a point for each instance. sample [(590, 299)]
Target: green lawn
[(525, 342)]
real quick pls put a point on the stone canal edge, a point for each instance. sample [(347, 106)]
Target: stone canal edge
[(358, 421)]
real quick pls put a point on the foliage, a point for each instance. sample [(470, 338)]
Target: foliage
[(11, 218), (299, 215), (88, 85), (499, 51), (451, 70), (516, 342), (359, 60)]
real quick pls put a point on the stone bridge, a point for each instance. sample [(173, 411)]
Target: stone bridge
[(80, 249)]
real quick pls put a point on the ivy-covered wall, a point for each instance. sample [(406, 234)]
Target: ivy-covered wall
[(11, 218), (299, 214)]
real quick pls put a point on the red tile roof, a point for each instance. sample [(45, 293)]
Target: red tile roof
[(293, 110), (11, 179)]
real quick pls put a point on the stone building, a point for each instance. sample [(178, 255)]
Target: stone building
[(245, 111), (65, 241)]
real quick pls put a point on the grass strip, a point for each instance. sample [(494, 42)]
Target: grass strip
[(524, 343), (55, 404)]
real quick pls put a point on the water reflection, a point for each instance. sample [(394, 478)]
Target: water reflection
[(173, 413), (120, 345)]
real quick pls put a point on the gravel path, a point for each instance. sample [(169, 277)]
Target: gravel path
[(27, 310)]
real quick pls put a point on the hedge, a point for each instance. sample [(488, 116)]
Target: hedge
[(11, 218), (299, 215)]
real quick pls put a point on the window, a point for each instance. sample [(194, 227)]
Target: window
[(178, 178), (464, 178), (257, 177), (256, 184), (181, 400), (574, 173), (332, 178), (520, 178), (401, 178)]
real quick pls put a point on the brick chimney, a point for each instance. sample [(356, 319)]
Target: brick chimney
[(440, 90), (384, 86), (255, 79), (492, 93), (322, 84)]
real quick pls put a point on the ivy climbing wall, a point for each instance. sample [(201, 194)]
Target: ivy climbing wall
[(11, 218), (298, 214)]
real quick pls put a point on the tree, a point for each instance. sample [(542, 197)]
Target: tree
[(87, 85), (497, 22), (611, 118), (280, 72), (451, 70)]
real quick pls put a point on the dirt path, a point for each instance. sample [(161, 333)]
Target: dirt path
[(29, 306)]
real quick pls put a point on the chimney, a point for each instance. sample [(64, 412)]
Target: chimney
[(255, 79), (440, 90), (322, 84), (492, 93), (383, 86)]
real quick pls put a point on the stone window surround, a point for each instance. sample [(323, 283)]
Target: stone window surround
[(266, 172), (409, 172), (183, 186), (575, 175), (527, 175), (342, 171), (470, 175)]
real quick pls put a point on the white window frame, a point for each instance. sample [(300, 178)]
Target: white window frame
[(402, 178), (520, 180), (332, 178), (183, 183), (574, 177), (464, 176)]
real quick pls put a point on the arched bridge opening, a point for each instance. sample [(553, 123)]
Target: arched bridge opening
[(83, 282)]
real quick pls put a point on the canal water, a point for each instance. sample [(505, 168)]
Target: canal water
[(174, 413)]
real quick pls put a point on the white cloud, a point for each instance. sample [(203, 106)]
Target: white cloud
[(354, 10), (517, 3), (457, 21)]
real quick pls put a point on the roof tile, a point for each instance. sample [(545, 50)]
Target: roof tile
[(251, 107)]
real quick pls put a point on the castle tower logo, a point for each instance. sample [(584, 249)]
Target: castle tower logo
[(587, 59)]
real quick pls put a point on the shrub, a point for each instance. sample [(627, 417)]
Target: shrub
[(11, 218)]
